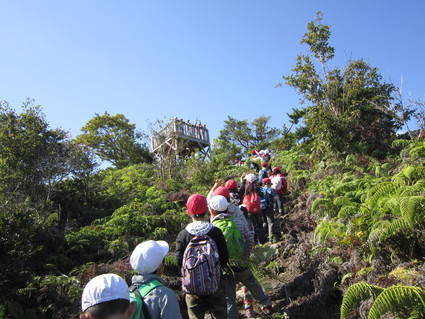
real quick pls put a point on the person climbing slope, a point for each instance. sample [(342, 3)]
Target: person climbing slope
[(238, 270), (201, 252)]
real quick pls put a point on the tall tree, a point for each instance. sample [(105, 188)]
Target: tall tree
[(350, 109), (115, 140), (33, 157), (247, 136)]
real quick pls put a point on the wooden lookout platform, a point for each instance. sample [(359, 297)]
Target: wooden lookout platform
[(181, 138)]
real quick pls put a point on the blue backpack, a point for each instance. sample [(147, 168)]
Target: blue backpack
[(267, 199), (263, 174), (137, 293)]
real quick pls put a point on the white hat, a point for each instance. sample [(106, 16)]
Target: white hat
[(251, 178), (104, 288), (218, 203), (148, 255)]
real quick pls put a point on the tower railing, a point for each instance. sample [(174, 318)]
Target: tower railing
[(181, 130)]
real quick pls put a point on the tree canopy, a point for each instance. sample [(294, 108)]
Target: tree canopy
[(351, 108), (115, 140), (247, 136)]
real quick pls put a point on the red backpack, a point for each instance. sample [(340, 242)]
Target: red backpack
[(252, 202)]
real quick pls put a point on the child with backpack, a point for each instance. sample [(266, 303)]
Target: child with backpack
[(238, 269), (264, 172), (280, 186), (252, 204), (232, 186), (201, 252), (106, 296), (267, 208), (154, 300)]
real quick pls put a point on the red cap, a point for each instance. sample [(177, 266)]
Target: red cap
[(253, 152), (197, 204), (266, 180), (276, 168), (231, 184), (223, 191), (264, 164)]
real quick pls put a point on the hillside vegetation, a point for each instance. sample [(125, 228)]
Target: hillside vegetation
[(352, 241)]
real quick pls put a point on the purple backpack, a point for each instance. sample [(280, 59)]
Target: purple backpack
[(201, 267)]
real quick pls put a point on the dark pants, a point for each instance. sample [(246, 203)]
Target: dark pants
[(268, 223), (278, 203), (257, 222), (216, 305)]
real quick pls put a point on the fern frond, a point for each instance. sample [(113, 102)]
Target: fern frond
[(410, 174), (355, 294), (327, 229), (401, 143), (323, 207), (383, 189), (398, 226), (342, 201), (413, 209), (348, 211), (418, 151), (416, 189), (397, 300), (351, 159)]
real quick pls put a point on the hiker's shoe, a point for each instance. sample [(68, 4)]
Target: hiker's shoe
[(267, 310), (250, 313)]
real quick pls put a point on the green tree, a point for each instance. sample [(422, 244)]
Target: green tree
[(33, 157), (351, 109), (247, 136), (115, 140)]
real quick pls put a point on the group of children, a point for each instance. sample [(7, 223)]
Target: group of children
[(211, 254), (109, 297)]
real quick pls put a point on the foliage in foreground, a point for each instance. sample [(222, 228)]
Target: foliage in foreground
[(401, 301)]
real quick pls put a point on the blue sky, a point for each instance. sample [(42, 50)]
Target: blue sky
[(204, 60)]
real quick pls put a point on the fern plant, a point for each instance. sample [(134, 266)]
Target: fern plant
[(401, 301), (355, 294), (322, 207)]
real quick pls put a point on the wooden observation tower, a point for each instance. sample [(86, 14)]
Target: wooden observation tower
[(181, 139)]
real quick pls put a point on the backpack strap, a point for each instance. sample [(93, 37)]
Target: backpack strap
[(147, 288), (143, 290)]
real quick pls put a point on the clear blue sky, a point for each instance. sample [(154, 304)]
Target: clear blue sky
[(201, 60)]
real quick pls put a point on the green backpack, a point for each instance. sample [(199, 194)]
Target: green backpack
[(233, 236), (137, 293)]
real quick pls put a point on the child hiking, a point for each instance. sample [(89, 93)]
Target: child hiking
[(280, 186), (154, 300), (106, 297), (267, 208), (201, 252), (252, 203), (236, 235)]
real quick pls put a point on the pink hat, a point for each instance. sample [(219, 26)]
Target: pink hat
[(223, 191), (197, 204)]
